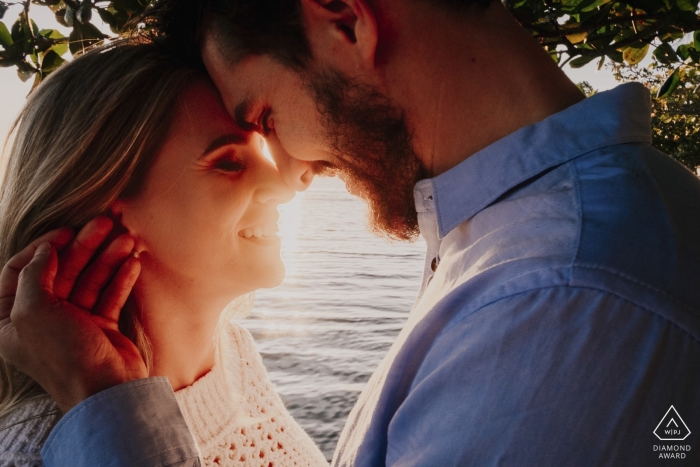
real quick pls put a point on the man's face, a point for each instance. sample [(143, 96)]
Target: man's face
[(320, 122)]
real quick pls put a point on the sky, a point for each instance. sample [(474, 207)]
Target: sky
[(13, 91)]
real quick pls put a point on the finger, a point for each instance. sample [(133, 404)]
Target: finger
[(78, 254), (41, 271), (35, 285), (9, 276), (10, 344), (91, 282), (117, 292), (58, 238)]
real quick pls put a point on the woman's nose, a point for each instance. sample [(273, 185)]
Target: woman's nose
[(272, 188), (297, 174)]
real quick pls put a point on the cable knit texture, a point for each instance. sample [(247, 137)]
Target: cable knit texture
[(234, 413), (24, 431)]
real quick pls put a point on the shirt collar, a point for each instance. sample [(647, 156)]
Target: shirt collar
[(622, 115)]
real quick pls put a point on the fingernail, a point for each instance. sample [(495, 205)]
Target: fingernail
[(42, 249)]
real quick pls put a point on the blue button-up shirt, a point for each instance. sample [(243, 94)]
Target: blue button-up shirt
[(558, 321)]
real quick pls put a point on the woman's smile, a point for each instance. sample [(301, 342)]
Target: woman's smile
[(207, 219), (261, 230)]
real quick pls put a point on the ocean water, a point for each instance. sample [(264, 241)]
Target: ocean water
[(346, 296)]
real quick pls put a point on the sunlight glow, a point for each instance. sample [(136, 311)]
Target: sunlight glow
[(291, 216), (266, 151)]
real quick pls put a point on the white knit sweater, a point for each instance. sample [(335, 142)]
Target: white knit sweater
[(234, 413)]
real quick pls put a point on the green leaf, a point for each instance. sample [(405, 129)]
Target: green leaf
[(694, 55), (696, 38), (600, 63), (5, 36), (616, 56), (83, 36), (580, 61), (633, 55), (17, 33), (107, 17), (665, 53), (8, 62), (24, 74), (84, 14), (50, 62), (127, 6), (51, 34), (69, 17), (555, 56), (60, 49), (669, 85), (683, 51), (686, 5), (594, 5)]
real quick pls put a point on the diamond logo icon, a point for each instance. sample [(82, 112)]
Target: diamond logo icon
[(672, 427)]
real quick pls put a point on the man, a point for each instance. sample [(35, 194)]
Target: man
[(558, 319)]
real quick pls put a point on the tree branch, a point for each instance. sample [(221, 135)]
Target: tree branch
[(577, 30), (29, 20)]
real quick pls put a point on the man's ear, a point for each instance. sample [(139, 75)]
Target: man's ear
[(341, 33)]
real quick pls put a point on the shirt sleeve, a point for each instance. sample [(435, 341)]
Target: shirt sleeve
[(553, 377), (138, 424)]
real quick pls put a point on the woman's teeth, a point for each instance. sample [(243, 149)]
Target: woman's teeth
[(257, 232)]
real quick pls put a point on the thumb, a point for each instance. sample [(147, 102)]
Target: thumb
[(40, 273)]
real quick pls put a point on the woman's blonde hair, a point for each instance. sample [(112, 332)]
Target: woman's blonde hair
[(86, 136)]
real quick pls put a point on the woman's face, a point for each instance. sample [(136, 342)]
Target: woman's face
[(206, 219)]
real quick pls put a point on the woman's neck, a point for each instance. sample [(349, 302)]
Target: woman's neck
[(181, 325)]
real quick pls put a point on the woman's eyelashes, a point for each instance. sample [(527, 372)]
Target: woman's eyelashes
[(228, 164)]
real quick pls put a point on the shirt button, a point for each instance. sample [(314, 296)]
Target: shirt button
[(434, 264)]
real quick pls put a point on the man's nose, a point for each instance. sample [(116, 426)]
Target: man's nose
[(297, 174)]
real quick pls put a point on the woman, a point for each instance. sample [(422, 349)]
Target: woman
[(130, 133)]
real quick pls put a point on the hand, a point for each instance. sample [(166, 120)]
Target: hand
[(59, 322)]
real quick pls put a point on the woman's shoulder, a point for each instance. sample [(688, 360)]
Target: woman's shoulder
[(24, 431), (243, 340)]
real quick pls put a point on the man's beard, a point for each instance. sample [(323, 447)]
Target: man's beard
[(372, 149)]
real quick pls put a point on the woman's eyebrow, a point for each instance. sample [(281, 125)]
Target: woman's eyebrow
[(233, 138)]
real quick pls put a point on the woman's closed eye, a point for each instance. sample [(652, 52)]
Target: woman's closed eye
[(228, 164)]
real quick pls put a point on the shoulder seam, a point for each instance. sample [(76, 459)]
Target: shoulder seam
[(579, 208), (575, 287)]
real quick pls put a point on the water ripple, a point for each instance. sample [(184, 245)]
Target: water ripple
[(346, 297)]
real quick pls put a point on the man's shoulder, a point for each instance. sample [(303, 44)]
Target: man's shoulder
[(627, 210), (621, 220), (639, 235)]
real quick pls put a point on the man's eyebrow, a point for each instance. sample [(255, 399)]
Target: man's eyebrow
[(241, 114), (233, 138)]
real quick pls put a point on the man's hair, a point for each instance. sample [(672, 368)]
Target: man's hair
[(247, 27)]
